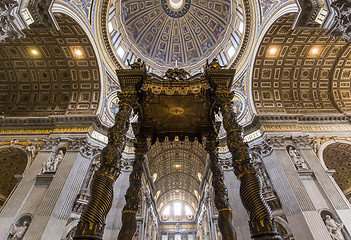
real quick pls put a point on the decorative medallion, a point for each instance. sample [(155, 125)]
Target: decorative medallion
[(176, 110)]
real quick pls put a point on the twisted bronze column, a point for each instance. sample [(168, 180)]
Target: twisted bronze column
[(262, 225), (221, 193), (92, 222), (129, 223)]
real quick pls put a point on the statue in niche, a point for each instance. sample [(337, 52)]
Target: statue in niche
[(334, 228), (297, 159), (18, 232), (51, 165)]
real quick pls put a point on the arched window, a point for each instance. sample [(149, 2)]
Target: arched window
[(177, 211)]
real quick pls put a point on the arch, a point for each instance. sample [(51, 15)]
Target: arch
[(13, 161), (60, 8), (290, 8), (333, 156), (324, 145)]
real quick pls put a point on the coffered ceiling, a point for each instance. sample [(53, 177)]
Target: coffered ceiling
[(49, 72), (301, 71), (177, 168)]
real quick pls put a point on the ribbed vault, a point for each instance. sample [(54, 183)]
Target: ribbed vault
[(177, 168), (49, 72), (301, 71)]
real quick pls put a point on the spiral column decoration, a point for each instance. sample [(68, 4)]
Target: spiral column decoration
[(129, 223), (262, 225), (221, 194), (92, 222)]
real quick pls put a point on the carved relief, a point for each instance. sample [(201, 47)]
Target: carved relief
[(51, 165), (315, 144), (296, 158)]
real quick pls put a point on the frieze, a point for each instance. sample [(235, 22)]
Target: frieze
[(43, 130), (157, 86), (316, 128)]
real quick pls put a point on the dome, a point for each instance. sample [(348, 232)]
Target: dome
[(166, 33)]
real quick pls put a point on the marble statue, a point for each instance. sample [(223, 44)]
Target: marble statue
[(51, 165), (334, 228), (298, 161), (18, 232)]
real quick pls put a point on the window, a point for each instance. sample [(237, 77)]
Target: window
[(177, 208)]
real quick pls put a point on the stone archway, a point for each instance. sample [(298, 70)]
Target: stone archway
[(335, 156), (13, 162)]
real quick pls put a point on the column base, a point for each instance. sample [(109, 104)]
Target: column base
[(89, 231)]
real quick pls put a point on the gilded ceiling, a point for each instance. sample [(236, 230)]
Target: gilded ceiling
[(301, 71), (177, 168), (170, 31), (42, 74)]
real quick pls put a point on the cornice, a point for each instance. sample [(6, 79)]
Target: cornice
[(52, 121)]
